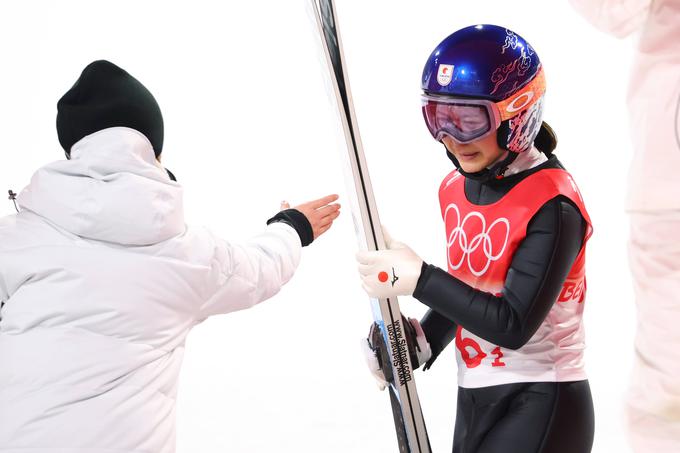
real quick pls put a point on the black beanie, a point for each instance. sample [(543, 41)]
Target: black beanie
[(107, 96)]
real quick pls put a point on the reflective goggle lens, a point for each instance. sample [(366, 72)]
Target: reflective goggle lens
[(463, 122)]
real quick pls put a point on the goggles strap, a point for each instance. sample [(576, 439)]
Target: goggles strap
[(524, 98)]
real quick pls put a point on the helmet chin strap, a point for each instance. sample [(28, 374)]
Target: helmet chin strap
[(495, 171)]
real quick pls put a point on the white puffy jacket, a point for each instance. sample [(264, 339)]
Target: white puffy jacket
[(653, 94), (102, 281)]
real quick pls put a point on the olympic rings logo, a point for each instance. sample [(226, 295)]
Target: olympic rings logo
[(482, 240)]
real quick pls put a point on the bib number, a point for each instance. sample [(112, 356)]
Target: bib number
[(468, 346)]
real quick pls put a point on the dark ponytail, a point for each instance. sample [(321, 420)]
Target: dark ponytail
[(546, 140)]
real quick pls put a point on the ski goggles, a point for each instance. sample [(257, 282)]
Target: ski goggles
[(468, 120)]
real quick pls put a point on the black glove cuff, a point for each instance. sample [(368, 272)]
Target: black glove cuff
[(425, 271), (297, 220)]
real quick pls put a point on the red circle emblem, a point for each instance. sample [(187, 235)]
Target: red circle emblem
[(383, 276)]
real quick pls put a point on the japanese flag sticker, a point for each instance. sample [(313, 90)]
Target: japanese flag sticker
[(384, 276), (445, 74)]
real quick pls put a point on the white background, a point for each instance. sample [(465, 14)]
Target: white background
[(249, 123)]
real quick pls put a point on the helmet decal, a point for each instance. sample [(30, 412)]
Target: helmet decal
[(521, 64), (445, 74), (501, 74)]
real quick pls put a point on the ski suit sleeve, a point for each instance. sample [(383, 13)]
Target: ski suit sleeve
[(616, 17), (247, 274), (439, 332), (534, 280)]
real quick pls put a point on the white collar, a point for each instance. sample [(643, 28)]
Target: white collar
[(526, 160)]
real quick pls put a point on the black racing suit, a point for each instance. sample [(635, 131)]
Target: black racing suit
[(545, 417)]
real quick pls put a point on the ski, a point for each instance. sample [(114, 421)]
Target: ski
[(408, 417)]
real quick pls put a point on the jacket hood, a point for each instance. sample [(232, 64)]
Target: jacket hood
[(112, 189)]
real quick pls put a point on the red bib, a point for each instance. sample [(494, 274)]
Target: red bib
[(481, 242)]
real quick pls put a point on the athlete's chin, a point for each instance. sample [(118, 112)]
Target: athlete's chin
[(471, 166), (468, 169)]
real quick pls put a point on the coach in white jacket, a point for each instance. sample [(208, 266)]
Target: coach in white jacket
[(101, 280)]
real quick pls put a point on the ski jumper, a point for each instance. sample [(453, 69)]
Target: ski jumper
[(516, 304)]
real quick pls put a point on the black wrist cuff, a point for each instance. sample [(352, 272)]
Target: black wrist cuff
[(425, 271), (297, 220)]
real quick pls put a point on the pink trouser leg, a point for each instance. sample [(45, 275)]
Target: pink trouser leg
[(653, 403)]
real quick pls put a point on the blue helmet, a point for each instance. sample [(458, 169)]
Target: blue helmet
[(494, 64)]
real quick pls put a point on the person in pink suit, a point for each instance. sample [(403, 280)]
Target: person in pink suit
[(653, 203)]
